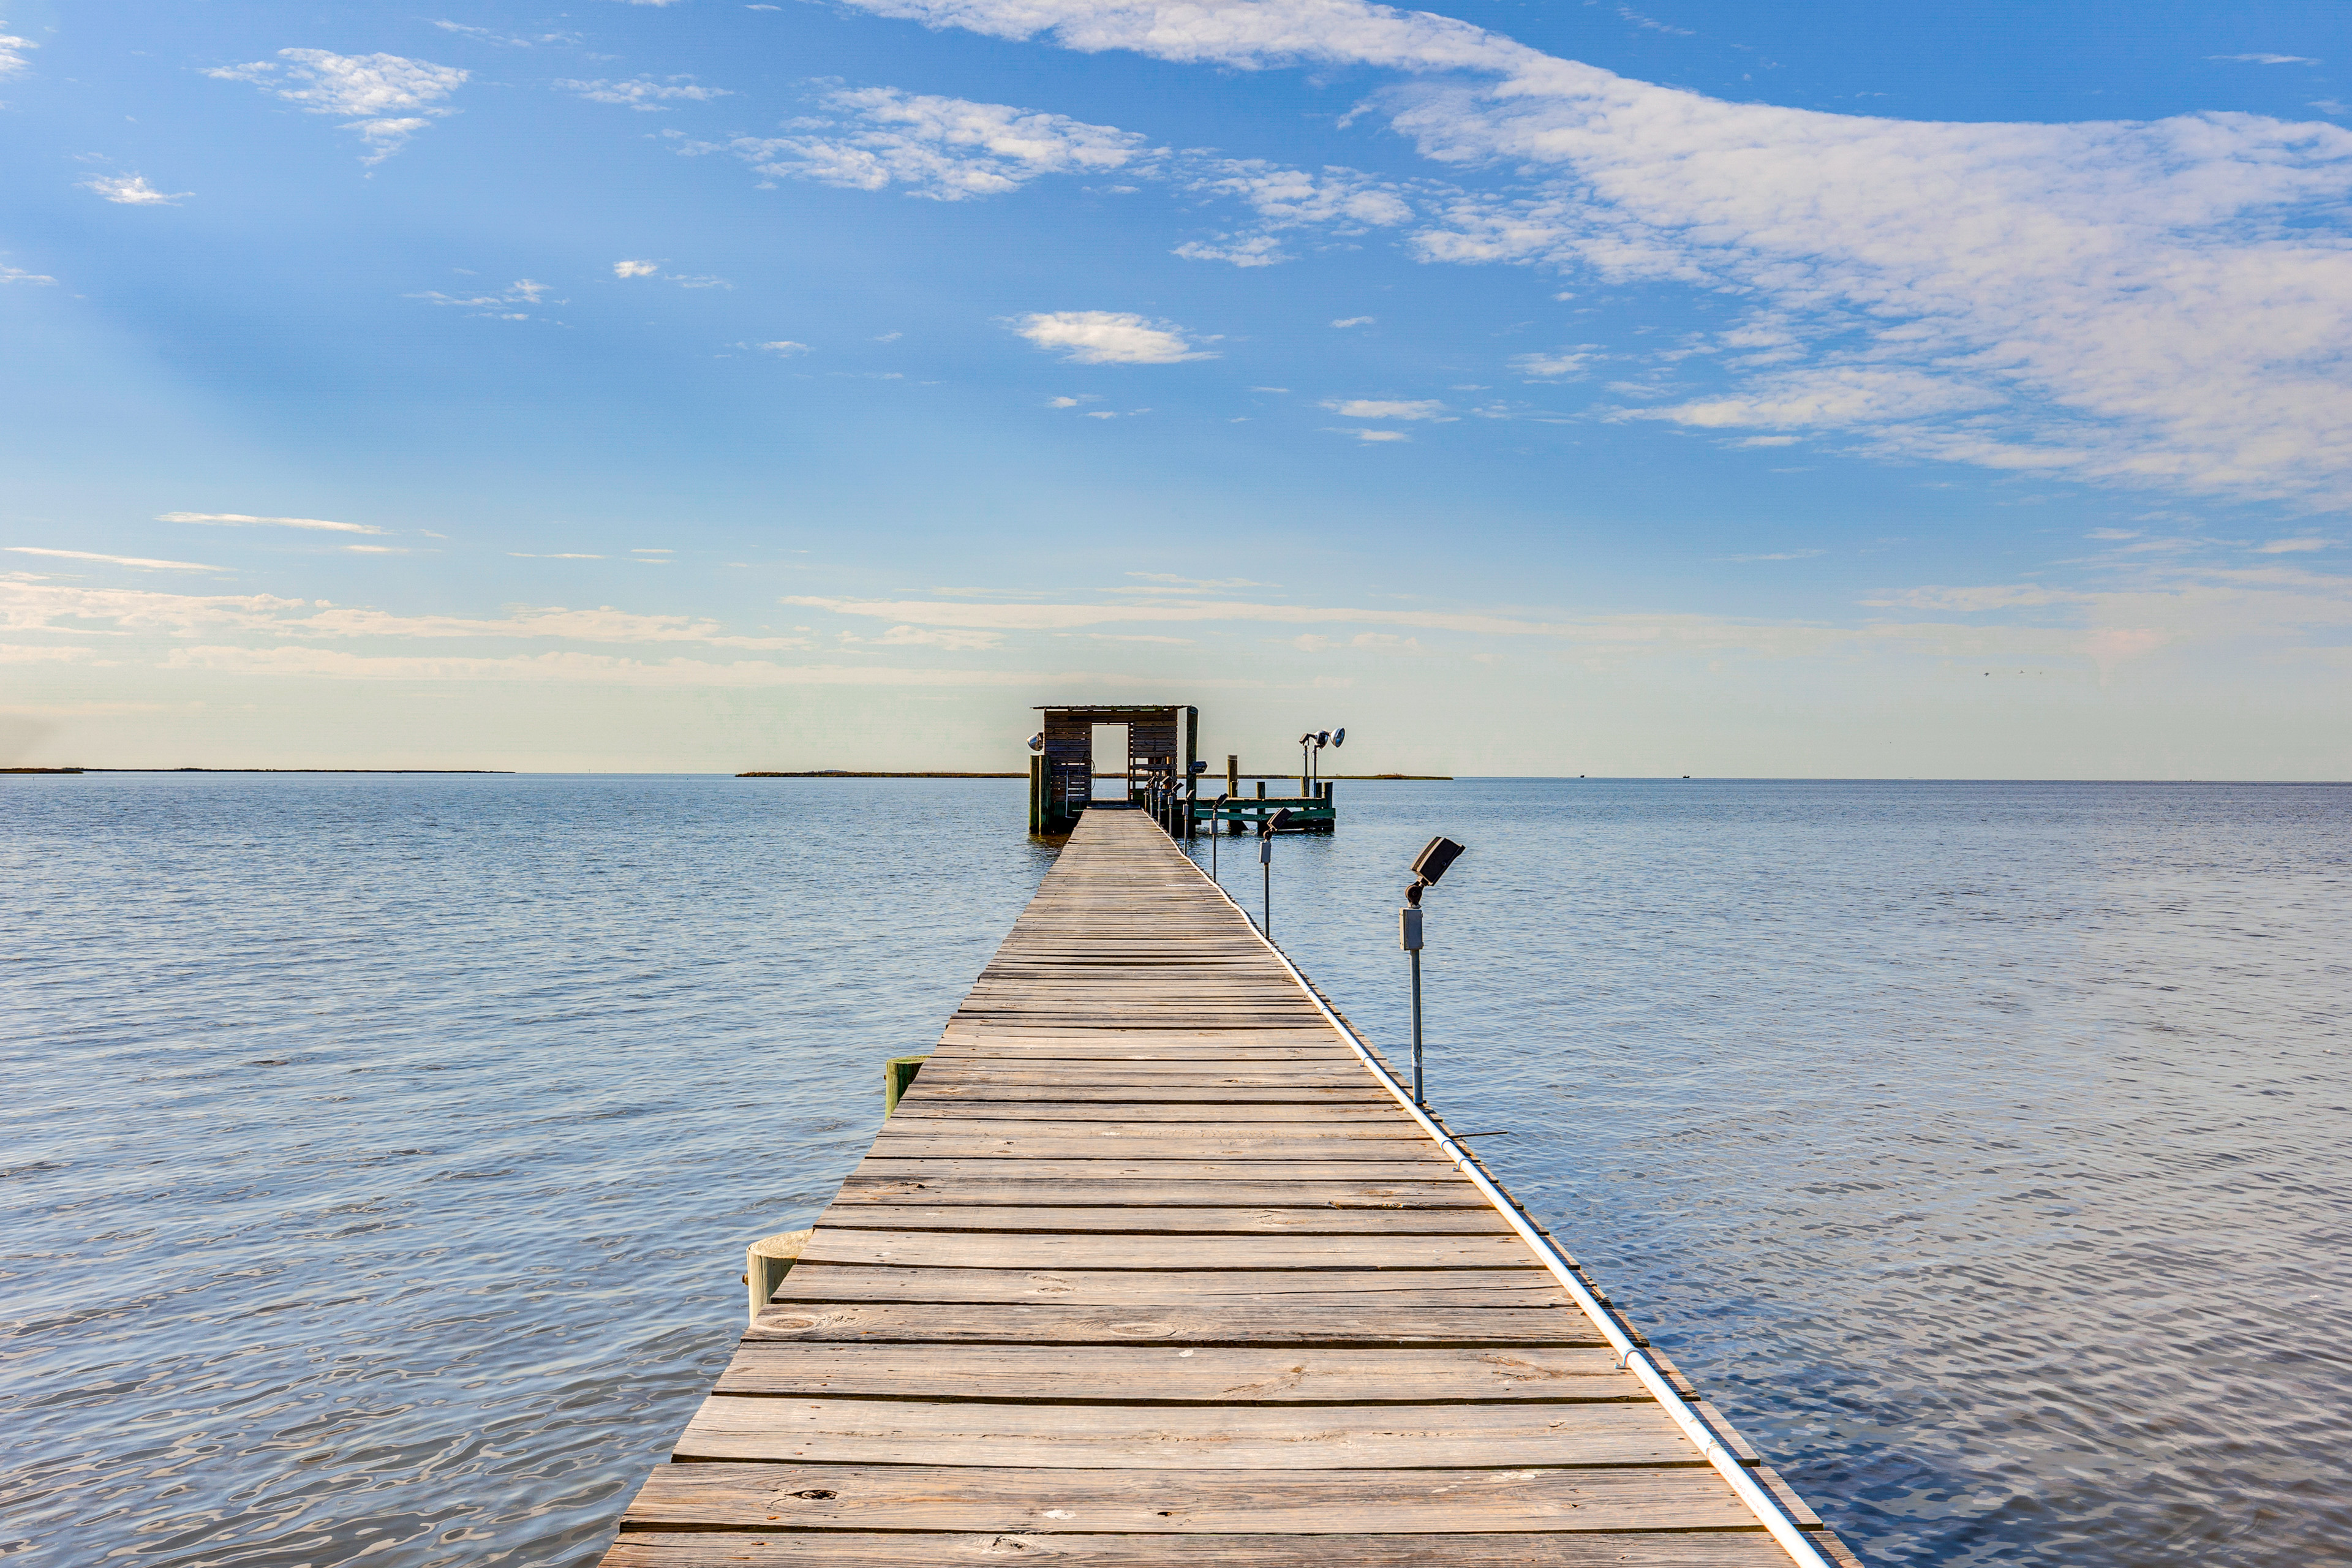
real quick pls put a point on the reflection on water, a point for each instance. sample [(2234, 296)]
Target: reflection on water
[(383, 1150)]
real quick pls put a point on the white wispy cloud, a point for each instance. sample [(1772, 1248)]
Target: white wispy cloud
[(505, 40), (12, 54), (2267, 60), (1353, 322), (946, 149), (628, 269), (2294, 546), (1110, 337), (1389, 409), (1561, 364), (27, 605), (19, 275), (932, 636), (783, 348), (646, 92), (1340, 201), (242, 519), (954, 149), (500, 306), (1167, 580), (389, 98), (144, 562), (133, 191), (1237, 249), (2150, 303), (602, 670)]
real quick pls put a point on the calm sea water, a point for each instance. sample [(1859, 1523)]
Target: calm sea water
[(380, 1152)]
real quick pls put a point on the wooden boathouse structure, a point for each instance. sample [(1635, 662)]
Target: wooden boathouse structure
[(1163, 774), (1155, 1264)]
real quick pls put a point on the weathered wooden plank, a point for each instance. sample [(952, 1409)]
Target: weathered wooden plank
[(846, 1549), (1333, 1320), (858, 1217), (1157, 1375), (1157, 1254), (1118, 1167), (1303, 1290), (1186, 1128), (1014, 1113), (1262, 1437), (1157, 1094), (933, 1142), (1173, 1501), (1452, 1190)]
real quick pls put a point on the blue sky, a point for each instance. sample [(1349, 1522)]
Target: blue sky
[(1577, 388)]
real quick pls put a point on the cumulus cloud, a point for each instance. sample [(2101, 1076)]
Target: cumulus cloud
[(2158, 303), (242, 519), (1108, 337), (389, 98), (636, 268), (946, 149), (133, 191), (646, 92)]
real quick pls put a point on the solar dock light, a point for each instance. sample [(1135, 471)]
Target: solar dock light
[(1427, 867), (1273, 825)]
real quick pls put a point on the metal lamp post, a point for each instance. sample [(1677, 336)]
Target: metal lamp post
[(1310, 756), (1427, 867), (1273, 825)]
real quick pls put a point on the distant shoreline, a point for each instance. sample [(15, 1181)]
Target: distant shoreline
[(256, 770), (852, 773)]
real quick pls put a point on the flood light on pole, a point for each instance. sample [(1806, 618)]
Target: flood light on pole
[(1427, 867)]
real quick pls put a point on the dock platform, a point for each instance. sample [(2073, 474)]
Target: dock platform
[(1150, 1267)]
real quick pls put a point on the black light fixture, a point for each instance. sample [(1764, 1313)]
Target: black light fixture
[(1430, 865)]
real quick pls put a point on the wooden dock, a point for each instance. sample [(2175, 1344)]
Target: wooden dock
[(1149, 1267)]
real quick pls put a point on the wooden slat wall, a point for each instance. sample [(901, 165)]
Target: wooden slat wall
[(1147, 1268)]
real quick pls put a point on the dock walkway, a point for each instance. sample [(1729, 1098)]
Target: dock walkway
[(1148, 1268)]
